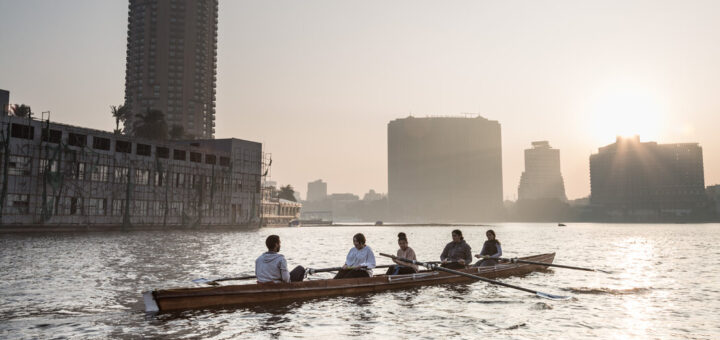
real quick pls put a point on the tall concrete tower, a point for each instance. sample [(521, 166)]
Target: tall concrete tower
[(445, 169), (172, 62), (542, 178)]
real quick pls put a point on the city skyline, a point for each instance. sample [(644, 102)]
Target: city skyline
[(319, 90)]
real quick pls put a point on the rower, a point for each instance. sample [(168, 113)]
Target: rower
[(456, 253), (406, 253), (360, 260), (271, 266), (491, 251)]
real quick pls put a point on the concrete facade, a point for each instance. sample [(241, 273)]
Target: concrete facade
[(172, 62), (58, 175), (445, 169)]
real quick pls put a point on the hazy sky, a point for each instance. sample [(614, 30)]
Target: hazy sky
[(317, 81)]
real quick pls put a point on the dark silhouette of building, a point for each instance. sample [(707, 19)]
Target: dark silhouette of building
[(635, 181), (4, 102), (541, 193), (542, 178), (171, 62), (445, 169)]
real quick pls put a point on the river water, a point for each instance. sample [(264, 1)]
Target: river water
[(665, 284)]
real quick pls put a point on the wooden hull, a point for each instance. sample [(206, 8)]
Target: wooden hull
[(257, 294)]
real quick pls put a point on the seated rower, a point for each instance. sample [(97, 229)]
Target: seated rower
[(271, 266), (457, 253), (491, 251), (360, 260), (406, 253)]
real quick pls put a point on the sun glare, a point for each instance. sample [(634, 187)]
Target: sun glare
[(626, 113)]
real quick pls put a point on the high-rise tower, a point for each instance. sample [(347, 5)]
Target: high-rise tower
[(542, 178), (445, 169), (172, 61)]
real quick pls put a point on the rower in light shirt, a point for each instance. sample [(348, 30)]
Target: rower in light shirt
[(359, 261)]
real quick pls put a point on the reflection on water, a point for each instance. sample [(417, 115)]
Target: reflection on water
[(80, 285)]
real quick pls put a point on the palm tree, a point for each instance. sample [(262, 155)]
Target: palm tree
[(120, 113), (21, 110), (287, 192), (177, 132), (151, 125)]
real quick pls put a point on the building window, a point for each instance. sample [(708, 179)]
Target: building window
[(162, 152), (100, 143), (99, 173), (159, 176), (120, 175), (143, 149), (79, 171), (142, 176), (224, 161), (75, 205), (179, 155), (210, 159), (22, 131), (19, 166), (51, 136), (97, 206), (195, 157), (44, 166), (123, 146), (118, 207), (21, 203), (76, 139)]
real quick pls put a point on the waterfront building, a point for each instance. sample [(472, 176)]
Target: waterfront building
[(277, 211), (542, 178), (445, 169), (171, 62), (317, 190), (4, 102), (373, 196), (57, 175), (646, 181), (713, 193)]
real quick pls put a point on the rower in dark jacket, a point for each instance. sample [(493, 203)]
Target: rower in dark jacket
[(491, 251), (457, 254)]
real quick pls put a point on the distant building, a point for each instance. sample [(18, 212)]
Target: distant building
[(373, 196), (171, 62), (713, 192), (542, 178), (630, 180), (445, 169), (4, 102), (59, 175), (317, 190), (275, 210)]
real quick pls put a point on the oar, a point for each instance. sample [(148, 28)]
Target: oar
[(436, 267), (517, 260), (310, 271)]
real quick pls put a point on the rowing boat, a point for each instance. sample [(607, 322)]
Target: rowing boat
[(263, 293)]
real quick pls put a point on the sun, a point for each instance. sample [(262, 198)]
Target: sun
[(626, 113)]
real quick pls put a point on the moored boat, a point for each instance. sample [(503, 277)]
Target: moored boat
[(256, 294)]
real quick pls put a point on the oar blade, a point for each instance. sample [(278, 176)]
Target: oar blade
[(201, 280), (552, 297)]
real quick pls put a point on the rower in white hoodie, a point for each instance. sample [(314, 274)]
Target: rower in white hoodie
[(271, 266)]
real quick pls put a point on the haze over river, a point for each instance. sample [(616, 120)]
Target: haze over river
[(665, 284)]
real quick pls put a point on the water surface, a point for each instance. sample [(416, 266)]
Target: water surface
[(665, 284)]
